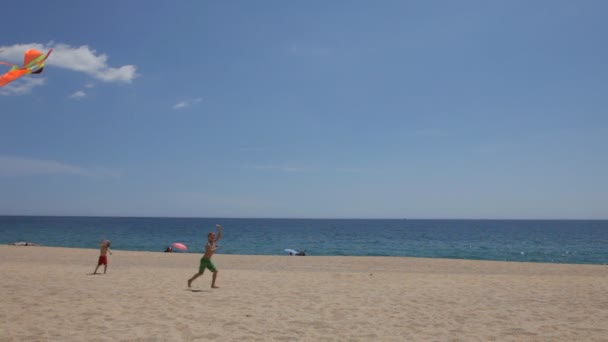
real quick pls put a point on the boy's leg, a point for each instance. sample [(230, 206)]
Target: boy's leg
[(213, 281), (105, 267), (95, 272), (194, 277)]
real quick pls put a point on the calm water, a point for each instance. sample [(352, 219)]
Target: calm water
[(512, 240)]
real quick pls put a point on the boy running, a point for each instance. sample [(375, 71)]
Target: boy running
[(104, 248), (210, 248)]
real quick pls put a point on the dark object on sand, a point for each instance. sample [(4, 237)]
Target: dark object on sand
[(21, 243)]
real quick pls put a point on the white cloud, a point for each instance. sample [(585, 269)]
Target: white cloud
[(180, 104), (78, 95), (89, 85), (80, 59), (125, 74), (11, 166), (21, 86), (183, 104)]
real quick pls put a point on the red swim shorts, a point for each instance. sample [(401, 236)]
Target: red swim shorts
[(103, 260)]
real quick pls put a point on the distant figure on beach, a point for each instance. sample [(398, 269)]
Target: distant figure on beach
[(21, 243), (293, 252), (169, 249), (210, 248), (104, 248)]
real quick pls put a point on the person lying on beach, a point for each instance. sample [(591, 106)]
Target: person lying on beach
[(21, 243), (104, 248), (210, 248)]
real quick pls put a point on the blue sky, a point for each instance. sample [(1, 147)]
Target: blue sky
[(324, 109)]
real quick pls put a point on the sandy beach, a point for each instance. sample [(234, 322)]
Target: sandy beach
[(48, 294)]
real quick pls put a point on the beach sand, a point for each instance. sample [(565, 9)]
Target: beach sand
[(49, 294)]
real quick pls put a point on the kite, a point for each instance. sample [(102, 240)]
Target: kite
[(33, 63)]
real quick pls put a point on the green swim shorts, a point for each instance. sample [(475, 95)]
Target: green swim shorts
[(206, 263)]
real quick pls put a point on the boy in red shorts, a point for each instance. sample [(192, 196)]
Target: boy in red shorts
[(104, 248)]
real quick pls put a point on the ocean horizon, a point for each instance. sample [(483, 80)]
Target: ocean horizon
[(526, 240)]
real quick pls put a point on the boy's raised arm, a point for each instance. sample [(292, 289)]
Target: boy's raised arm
[(219, 232)]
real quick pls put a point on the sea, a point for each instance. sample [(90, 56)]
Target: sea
[(552, 241)]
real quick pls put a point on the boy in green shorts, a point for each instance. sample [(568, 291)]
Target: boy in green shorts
[(206, 259)]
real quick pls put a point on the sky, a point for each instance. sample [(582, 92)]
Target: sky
[(307, 109)]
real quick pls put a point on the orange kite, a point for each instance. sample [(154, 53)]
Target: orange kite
[(33, 63)]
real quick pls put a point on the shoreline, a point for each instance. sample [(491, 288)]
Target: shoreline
[(321, 256), (144, 296)]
